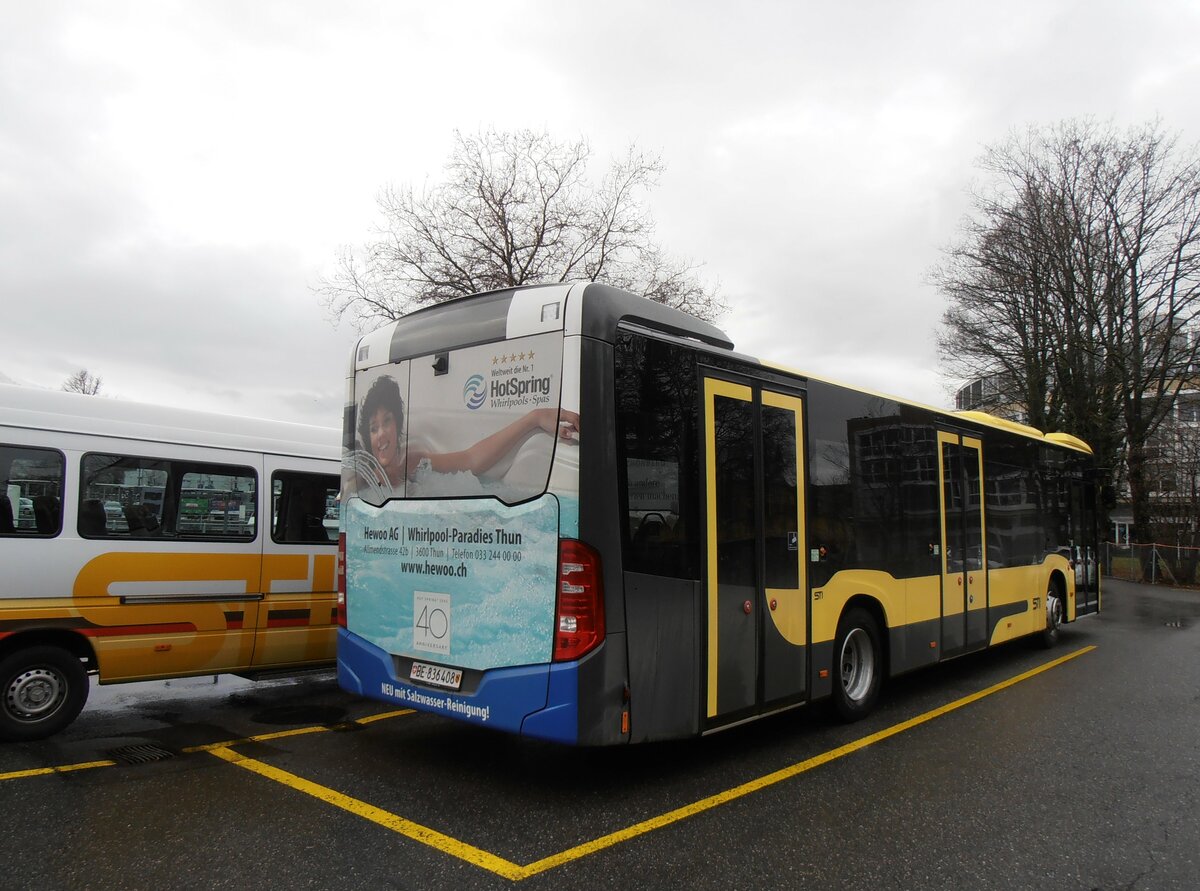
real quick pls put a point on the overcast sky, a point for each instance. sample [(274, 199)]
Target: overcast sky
[(176, 177)]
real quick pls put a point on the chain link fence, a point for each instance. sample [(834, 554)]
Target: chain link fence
[(1154, 564)]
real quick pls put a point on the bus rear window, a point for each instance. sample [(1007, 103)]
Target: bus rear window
[(478, 421)]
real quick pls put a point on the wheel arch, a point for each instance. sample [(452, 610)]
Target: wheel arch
[(71, 641), (1059, 582)]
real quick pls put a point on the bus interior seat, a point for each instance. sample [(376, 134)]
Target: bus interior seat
[(7, 527), (140, 519), (652, 527), (92, 521), (46, 511), (150, 519)]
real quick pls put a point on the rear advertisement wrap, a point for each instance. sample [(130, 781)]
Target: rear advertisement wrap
[(451, 521), (468, 583)]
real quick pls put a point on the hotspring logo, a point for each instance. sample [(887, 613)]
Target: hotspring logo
[(475, 391)]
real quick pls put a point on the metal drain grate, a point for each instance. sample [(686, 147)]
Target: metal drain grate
[(140, 754)]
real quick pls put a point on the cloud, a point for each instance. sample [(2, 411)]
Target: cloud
[(174, 176)]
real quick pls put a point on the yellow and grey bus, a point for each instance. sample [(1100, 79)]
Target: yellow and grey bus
[(577, 515), (131, 548)]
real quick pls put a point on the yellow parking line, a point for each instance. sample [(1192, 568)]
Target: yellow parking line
[(412, 830), (299, 731), (371, 719), (296, 731), (262, 737), (704, 804), (509, 870), (63, 768)]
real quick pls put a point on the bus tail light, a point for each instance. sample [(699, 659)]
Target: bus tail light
[(341, 580), (579, 612)]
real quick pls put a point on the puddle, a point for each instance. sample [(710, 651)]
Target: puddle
[(1164, 612), (302, 714)]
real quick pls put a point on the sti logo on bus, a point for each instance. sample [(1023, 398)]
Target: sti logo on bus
[(475, 392)]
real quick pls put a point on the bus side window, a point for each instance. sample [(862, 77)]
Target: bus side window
[(31, 499), (656, 427), (301, 514), (146, 498)]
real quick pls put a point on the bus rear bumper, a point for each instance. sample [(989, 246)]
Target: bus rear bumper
[(533, 700)]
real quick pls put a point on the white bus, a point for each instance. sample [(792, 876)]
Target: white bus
[(141, 542)]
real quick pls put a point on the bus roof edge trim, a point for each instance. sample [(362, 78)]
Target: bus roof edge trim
[(983, 417), (1073, 442)]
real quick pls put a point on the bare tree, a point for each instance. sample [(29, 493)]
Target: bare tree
[(513, 209), (83, 382), (1078, 280)]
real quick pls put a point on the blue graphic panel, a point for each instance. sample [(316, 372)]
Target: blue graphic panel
[(505, 699), (469, 583)]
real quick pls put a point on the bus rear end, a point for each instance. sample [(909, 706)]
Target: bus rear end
[(467, 592)]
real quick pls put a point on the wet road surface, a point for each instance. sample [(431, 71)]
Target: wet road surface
[(1076, 767)]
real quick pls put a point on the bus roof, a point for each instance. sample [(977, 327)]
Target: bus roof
[(588, 308), (487, 316), (36, 409)]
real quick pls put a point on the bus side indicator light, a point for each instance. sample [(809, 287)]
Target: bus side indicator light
[(823, 673), (162, 648)]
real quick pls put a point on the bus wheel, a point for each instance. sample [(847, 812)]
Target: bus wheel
[(43, 689), (1054, 616), (858, 665)]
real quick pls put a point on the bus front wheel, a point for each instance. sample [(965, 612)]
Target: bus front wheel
[(42, 690), (857, 666)]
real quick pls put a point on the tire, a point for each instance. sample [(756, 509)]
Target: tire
[(42, 690), (857, 665), (1054, 617)]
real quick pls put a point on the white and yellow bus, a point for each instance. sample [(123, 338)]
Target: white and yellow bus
[(141, 542)]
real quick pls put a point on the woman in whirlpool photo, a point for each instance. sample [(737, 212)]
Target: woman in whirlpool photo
[(392, 461)]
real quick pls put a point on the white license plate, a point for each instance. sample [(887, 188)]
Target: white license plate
[(436, 675)]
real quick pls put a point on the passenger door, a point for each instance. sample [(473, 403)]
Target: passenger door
[(756, 584), (298, 615), (964, 554)]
